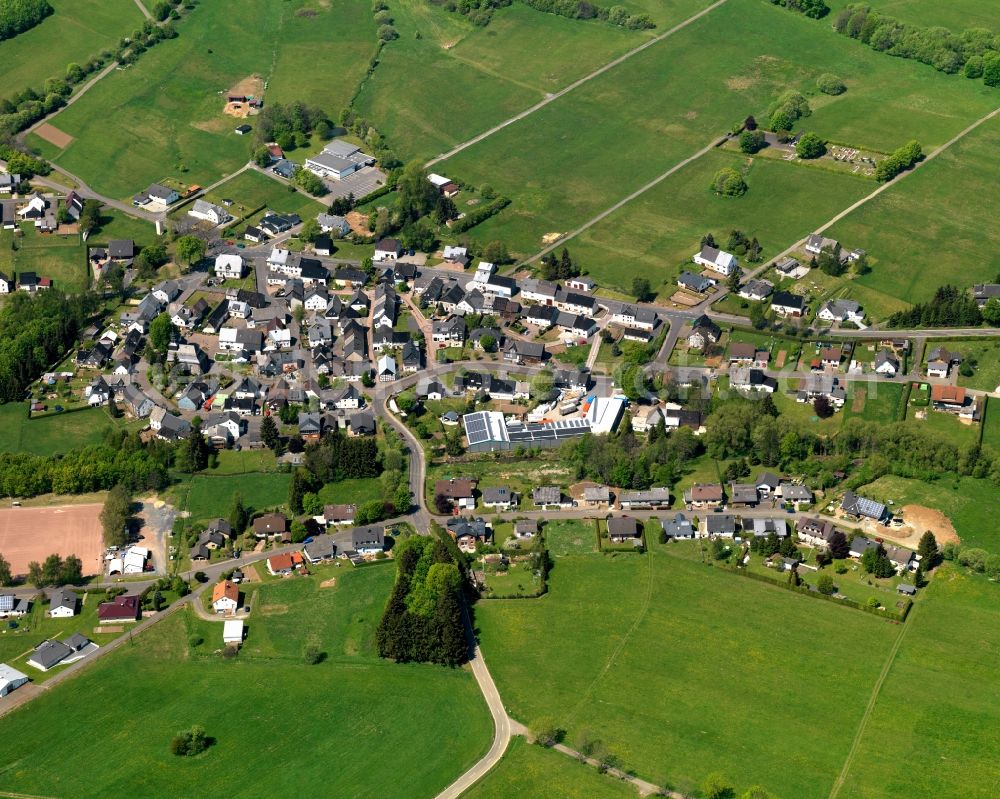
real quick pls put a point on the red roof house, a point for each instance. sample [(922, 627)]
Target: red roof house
[(121, 608)]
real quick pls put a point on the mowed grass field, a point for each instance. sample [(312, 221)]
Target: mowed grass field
[(957, 15), (681, 670), (76, 31), (579, 155), (941, 697), (532, 772), (352, 725), (457, 79), (655, 235), (167, 108), (253, 190), (61, 258), (937, 226), (206, 496), (51, 434)]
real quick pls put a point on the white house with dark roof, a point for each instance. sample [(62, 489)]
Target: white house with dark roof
[(228, 266), (207, 212)]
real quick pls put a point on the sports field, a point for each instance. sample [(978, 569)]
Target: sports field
[(74, 33), (351, 725), (32, 534), (937, 226), (655, 235), (655, 655), (168, 107), (582, 153)]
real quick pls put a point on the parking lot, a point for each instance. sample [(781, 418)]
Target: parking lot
[(360, 184)]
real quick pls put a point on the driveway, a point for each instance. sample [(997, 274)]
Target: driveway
[(157, 523)]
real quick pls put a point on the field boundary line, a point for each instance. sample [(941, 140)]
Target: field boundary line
[(574, 85), (869, 709), (625, 638), (561, 241)]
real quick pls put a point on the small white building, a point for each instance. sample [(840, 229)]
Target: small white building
[(206, 211), (10, 679), (232, 632)]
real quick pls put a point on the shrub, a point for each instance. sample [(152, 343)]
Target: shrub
[(387, 33), (729, 183), (830, 84), (190, 742), (810, 146), (752, 141)]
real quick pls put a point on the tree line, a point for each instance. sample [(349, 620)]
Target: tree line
[(950, 307), (17, 16), (423, 619), (975, 52), (480, 12)]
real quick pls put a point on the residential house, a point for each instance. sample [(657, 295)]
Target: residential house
[(816, 243), (523, 352), (693, 282), (13, 607), (796, 494), (225, 597), (362, 424), (624, 528), (456, 256), (841, 311), (331, 223), (550, 496), (62, 603), (703, 332), (450, 331), (636, 316), (49, 654), (526, 528), (385, 370), (648, 499), (387, 250), (715, 259), (785, 303), (704, 495), (859, 507), (137, 403), (120, 609), (500, 498), (982, 293), (816, 532), (576, 303), (822, 385), (756, 290), (886, 364), (746, 379), (270, 525), (460, 491), (280, 565), (955, 399), (412, 357), (228, 266), (207, 212), (543, 292), (902, 558), (596, 496), (9, 183), (678, 528), (469, 532), (156, 196), (369, 540), (761, 527), (581, 283), (340, 514), (722, 525), (320, 549), (860, 544)]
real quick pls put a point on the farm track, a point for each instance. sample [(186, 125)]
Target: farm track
[(574, 85)]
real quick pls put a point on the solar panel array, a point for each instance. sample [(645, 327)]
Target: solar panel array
[(478, 428), (519, 433)]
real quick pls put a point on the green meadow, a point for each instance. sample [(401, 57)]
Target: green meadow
[(254, 190), (52, 434), (532, 772), (75, 32), (61, 258), (655, 235), (206, 496), (351, 725), (579, 155), (167, 108), (928, 733), (957, 15), (936, 226), (679, 670)]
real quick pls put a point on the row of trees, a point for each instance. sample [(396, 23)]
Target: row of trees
[(950, 307), (55, 570), (976, 51), (423, 619), (122, 459), (901, 159), (17, 16), (115, 515), (480, 12), (815, 9)]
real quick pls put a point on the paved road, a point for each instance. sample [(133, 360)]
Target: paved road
[(574, 85)]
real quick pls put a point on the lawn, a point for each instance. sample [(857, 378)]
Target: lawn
[(118, 225), (991, 422), (251, 190), (940, 695), (957, 15), (355, 491), (622, 129), (77, 31), (168, 110), (456, 80), (678, 641), (946, 425), (61, 258), (230, 461), (206, 496), (915, 245), (969, 503), (54, 433), (285, 728), (656, 234), (532, 772), (880, 403)]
